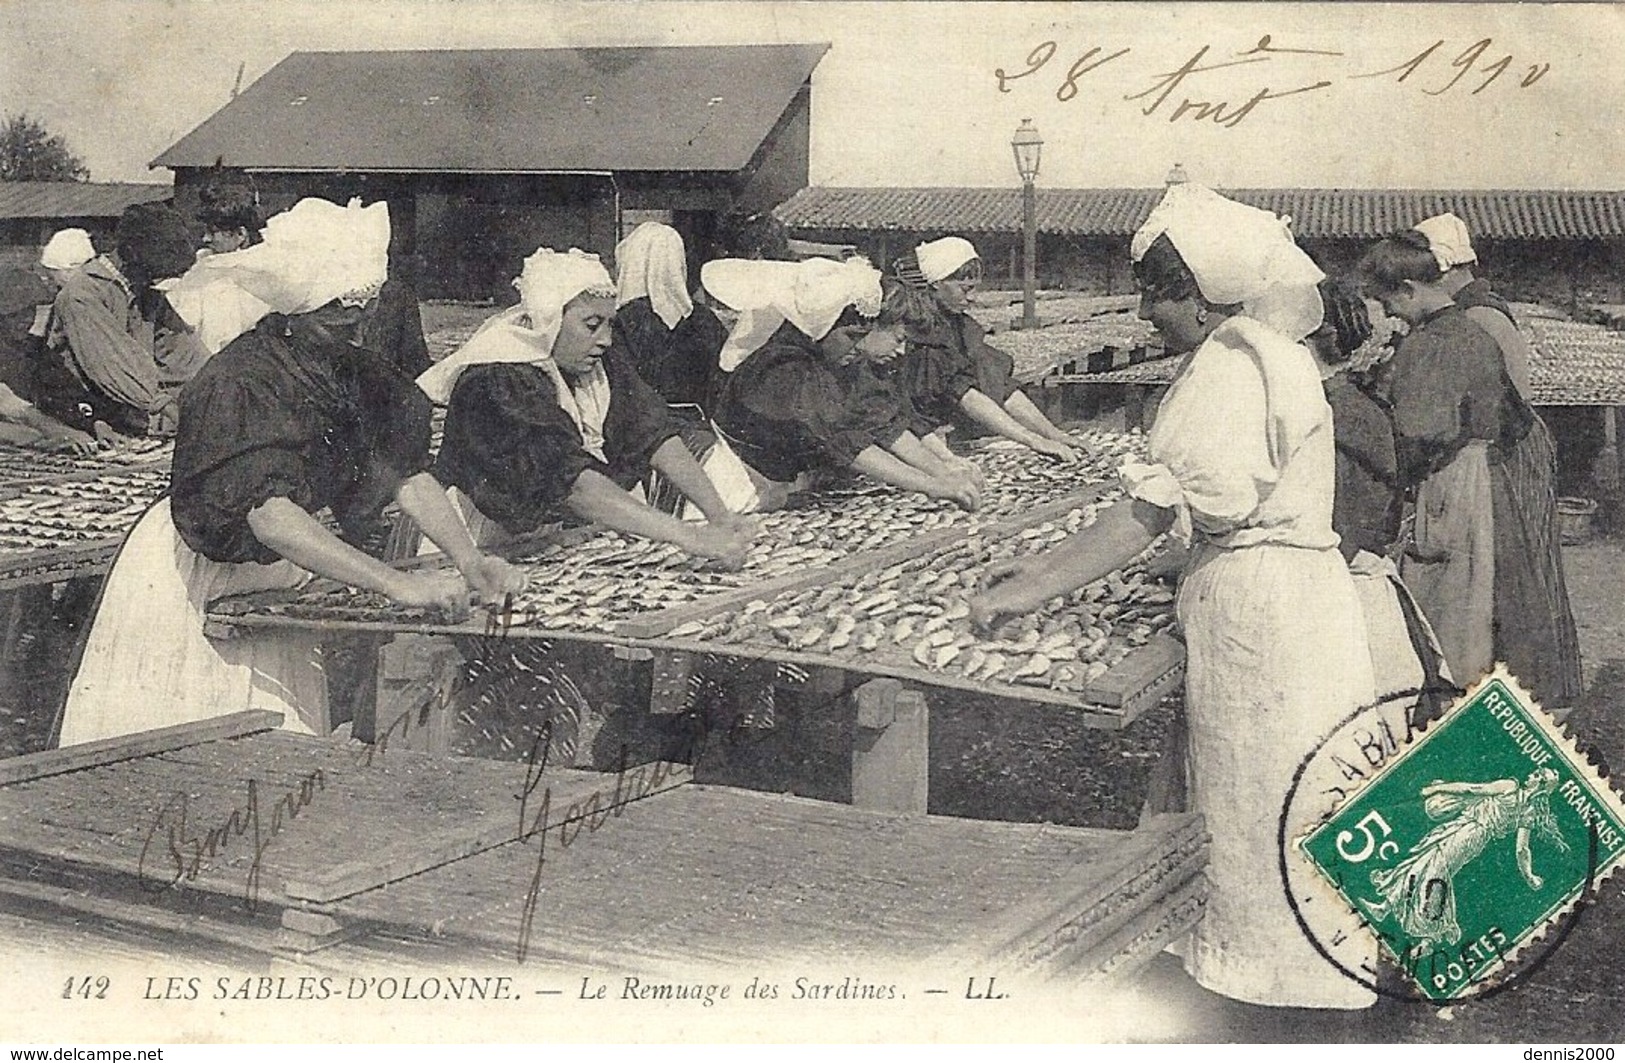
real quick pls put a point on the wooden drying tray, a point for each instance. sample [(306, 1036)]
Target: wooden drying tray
[(682, 876), (21, 468), (659, 623), (1115, 700), (30, 568), (249, 611)]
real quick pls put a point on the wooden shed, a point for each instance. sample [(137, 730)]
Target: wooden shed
[(31, 211), (484, 155)]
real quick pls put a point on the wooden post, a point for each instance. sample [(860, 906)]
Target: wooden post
[(410, 705), (1610, 429), (670, 682), (891, 749)]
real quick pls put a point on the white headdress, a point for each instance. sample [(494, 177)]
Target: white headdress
[(66, 249), (651, 262), (1239, 255), (1448, 239), (939, 259), (811, 295), (525, 334), (311, 254)]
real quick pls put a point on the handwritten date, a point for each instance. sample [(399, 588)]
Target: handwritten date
[(1158, 96)]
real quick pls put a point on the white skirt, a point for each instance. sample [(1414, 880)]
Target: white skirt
[(1277, 658), (148, 664)]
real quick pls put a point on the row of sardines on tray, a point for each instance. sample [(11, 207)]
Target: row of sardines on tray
[(594, 584), (914, 615), (591, 583), (27, 465), (40, 516)]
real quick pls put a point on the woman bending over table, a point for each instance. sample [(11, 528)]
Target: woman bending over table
[(802, 395), (949, 371), (546, 418), (290, 419)]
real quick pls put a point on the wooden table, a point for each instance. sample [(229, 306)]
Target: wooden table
[(406, 858)]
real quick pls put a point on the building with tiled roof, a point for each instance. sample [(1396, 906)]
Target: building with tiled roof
[(1549, 246), (30, 211)]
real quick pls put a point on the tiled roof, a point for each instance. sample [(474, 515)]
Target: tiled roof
[(518, 110), (1348, 213), (1575, 364), (74, 199)]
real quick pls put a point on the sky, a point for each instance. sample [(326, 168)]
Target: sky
[(1242, 95)]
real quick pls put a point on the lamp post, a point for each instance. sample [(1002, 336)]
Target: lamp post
[(1027, 144)]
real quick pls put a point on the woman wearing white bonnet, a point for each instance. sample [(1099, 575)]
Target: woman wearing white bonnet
[(546, 418), (802, 396), (1452, 247), (1242, 468), (66, 249), (949, 371), (289, 419), (673, 343)]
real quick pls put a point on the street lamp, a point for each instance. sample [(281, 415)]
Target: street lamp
[(1027, 145)]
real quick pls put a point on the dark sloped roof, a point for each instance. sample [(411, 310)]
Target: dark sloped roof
[(1352, 213), (74, 199), (506, 111)]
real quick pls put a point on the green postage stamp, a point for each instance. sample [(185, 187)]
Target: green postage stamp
[(1473, 842)]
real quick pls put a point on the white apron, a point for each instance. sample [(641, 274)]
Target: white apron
[(148, 664)]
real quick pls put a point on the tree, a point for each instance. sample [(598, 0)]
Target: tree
[(30, 152)]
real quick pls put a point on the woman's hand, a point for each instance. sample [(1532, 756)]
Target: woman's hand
[(492, 579), (1003, 593), (63, 438), (959, 490), (1061, 452), (445, 591), (107, 436), (741, 524), (1168, 565), (969, 470), (726, 545)]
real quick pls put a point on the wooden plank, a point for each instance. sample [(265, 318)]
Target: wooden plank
[(54, 565), (1160, 660), (142, 744), (580, 797), (1104, 717), (261, 815), (221, 624), (816, 879), (1082, 910), (146, 926), (1147, 932)]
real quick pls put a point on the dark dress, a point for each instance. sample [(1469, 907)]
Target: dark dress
[(1478, 292), (1366, 506), (1450, 387), (789, 410), (516, 454), (943, 362), (270, 416), (679, 363), (394, 330)]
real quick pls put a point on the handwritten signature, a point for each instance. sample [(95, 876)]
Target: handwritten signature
[(177, 853), (590, 812), (1474, 59)]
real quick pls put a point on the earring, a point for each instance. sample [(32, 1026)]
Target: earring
[(1201, 316)]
